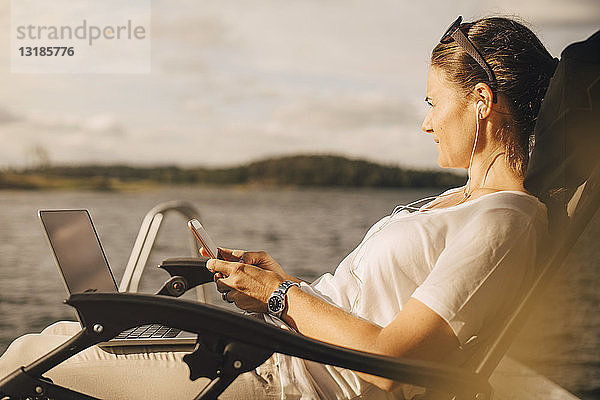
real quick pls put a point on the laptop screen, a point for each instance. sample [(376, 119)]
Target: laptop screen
[(77, 251)]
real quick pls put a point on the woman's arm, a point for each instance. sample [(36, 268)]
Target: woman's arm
[(415, 332)]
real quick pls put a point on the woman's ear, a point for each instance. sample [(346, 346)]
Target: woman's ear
[(484, 98)]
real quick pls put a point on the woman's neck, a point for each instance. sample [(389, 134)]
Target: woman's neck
[(491, 172)]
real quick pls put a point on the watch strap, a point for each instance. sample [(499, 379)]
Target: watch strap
[(285, 286), (281, 292)]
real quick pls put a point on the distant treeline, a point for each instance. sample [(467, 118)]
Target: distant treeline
[(303, 170)]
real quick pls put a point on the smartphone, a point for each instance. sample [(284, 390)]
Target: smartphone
[(202, 236)]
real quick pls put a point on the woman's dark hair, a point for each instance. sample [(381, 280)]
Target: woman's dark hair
[(522, 67)]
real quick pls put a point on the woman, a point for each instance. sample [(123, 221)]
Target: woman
[(433, 284)]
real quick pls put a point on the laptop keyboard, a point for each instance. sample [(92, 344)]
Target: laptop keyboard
[(149, 332)]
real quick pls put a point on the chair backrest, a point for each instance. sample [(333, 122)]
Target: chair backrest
[(564, 172), (567, 130), (587, 205)]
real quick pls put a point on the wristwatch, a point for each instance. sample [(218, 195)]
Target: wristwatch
[(277, 301)]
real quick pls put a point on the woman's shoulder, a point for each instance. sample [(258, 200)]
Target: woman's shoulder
[(504, 207), (490, 199), (510, 199), (508, 212)]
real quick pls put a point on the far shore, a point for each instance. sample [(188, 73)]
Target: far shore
[(293, 171)]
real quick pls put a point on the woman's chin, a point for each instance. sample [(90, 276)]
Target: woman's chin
[(442, 163)]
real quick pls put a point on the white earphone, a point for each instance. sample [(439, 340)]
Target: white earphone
[(480, 105)]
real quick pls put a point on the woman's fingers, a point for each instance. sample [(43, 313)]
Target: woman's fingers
[(225, 254), (225, 267), (203, 252), (245, 302), (230, 255), (222, 287), (257, 258)]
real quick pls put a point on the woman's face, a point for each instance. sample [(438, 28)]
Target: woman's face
[(451, 120)]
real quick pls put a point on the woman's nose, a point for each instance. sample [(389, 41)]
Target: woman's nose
[(426, 126)]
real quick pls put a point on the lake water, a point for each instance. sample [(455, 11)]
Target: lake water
[(308, 231)]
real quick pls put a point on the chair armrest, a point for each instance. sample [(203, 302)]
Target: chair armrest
[(186, 273), (191, 268), (138, 309), (229, 344)]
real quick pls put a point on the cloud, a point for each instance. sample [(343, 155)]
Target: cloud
[(69, 126), (64, 137), (7, 117), (348, 113), (104, 123), (188, 43), (192, 30), (375, 127)]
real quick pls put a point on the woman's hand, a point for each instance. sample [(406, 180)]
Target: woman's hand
[(259, 259), (248, 286)]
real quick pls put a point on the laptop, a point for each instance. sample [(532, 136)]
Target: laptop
[(84, 267)]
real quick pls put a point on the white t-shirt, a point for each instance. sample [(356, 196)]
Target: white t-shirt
[(469, 263)]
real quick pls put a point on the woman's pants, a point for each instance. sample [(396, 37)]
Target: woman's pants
[(140, 372)]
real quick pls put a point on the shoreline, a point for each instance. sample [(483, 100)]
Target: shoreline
[(294, 171)]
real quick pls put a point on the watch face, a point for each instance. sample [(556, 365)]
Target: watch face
[(275, 304)]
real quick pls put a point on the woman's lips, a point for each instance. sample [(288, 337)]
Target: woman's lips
[(435, 139)]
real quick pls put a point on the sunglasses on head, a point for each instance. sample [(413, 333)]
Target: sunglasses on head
[(453, 33)]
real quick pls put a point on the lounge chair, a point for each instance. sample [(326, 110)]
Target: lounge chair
[(230, 343)]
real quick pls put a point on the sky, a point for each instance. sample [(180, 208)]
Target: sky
[(236, 81)]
